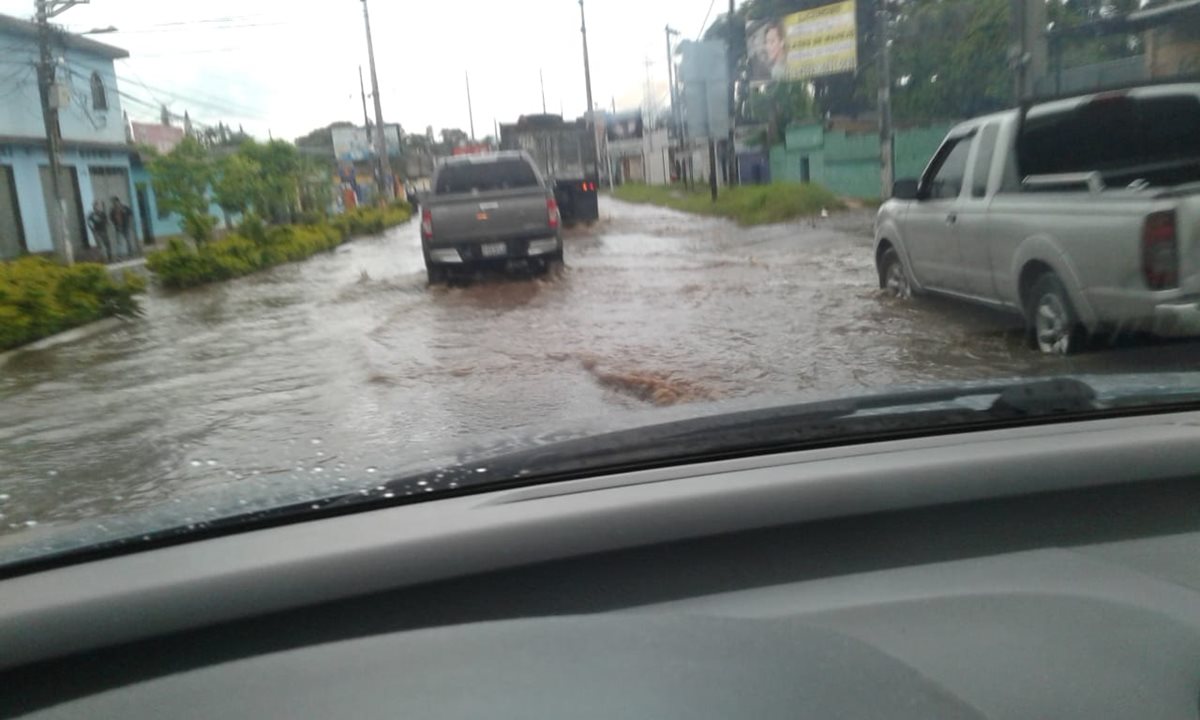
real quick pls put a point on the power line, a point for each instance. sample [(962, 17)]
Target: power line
[(706, 16)]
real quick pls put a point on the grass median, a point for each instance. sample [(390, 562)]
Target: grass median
[(747, 204), (40, 297), (254, 247)]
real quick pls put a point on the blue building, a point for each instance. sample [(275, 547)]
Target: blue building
[(95, 152)]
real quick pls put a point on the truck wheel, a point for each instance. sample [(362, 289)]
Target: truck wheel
[(437, 275), (893, 277), (1051, 321)]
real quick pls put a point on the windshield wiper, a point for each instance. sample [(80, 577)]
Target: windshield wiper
[(768, 430)]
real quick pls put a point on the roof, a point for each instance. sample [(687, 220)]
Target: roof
[(17, 26)]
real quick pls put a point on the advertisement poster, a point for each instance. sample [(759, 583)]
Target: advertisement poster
[(354, 145), (804, 45)]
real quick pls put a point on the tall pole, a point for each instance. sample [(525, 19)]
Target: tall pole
[(48, 86), (381, 131), (886, 154), (587, 79), (470, 109), (731, 151), (542, 82), (363, 91), (671, 79)]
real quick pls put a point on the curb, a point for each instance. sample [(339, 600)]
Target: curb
[(65, 337)]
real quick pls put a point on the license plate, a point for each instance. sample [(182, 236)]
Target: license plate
[(493, 249)]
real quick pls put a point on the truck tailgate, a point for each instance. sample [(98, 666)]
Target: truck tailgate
[(488, 216)]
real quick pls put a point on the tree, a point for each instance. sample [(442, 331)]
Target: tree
[(280, 172), (181, 180), (236, 184)]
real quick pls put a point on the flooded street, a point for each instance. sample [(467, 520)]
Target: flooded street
[(346, 367)]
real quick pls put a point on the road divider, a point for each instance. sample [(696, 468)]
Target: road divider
[(40, 297), (254, 246)]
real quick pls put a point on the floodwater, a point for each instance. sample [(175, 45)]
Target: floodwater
[(341, 369)]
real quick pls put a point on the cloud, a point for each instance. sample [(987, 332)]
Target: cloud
[(288, 67)]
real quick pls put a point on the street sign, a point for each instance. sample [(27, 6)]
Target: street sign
[(704, 74)]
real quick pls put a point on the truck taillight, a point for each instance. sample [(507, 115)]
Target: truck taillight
[(1160, 251), (552, 213), (426, 223)]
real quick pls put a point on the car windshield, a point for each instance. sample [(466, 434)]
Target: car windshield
[(477, 177), (265, 260)]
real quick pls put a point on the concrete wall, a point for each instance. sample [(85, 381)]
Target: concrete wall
[(848, 163)]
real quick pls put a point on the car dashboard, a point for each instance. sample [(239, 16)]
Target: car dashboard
[(1048, 571)]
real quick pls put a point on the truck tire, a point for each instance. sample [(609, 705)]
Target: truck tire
[(437, 275), (893, 277), (1051, 322)]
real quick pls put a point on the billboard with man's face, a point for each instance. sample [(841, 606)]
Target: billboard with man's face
[(804, 45)]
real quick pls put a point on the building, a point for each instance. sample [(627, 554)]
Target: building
[(95, 155)]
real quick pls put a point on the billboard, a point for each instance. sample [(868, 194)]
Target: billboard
[(804, 45), (705, 78), (354, 145)]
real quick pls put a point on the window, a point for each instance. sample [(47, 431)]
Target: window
[(947, 180), (99, 96), (470, 177), (983, 160)]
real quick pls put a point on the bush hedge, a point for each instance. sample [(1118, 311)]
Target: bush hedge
[(39, 297), (746, 204), (256, 246)]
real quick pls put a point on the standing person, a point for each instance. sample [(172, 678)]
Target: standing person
[(776, 51), (97, 221), (122, 222)]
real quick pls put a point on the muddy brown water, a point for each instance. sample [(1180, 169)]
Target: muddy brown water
[(331, 373)]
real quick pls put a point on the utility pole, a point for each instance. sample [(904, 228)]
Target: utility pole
[(363, 91), (587, 78), (731, 151), (1029, 51), (886, 153), (50, 95), (470, 109), (542, 82), (674, 127), (385, 185)]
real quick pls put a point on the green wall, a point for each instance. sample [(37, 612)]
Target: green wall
[(848, 163)]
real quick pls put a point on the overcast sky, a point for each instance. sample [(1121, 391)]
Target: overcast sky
[(289, 66)]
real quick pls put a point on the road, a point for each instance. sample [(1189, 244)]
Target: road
[(342, 368)]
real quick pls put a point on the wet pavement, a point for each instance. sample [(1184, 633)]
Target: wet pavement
[(342, 368)]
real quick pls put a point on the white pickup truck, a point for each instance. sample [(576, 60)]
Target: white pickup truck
[(1083, 215)]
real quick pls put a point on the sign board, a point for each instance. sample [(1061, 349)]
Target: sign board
[(354, 144), (805, 45), (704, 75)]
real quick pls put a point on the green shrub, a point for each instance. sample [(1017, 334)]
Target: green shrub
[(747, 204), (39, 297), (256, 247)]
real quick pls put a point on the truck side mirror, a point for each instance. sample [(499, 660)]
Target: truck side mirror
[(906, 189)]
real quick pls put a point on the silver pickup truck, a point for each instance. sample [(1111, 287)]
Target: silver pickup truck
[(1082, 215), (490, 209)]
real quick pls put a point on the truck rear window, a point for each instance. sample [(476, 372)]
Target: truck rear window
[(1125, 139), (478, 177)]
